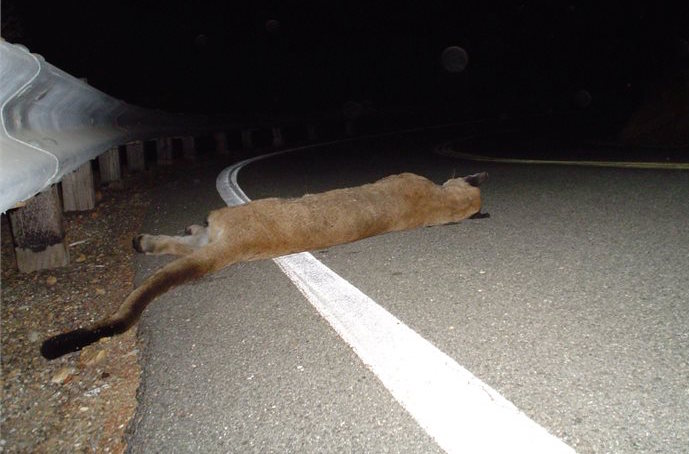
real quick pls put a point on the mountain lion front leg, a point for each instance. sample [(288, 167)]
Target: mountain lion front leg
[(196, 237)]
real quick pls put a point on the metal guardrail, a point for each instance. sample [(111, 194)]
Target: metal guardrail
[(51, 123)]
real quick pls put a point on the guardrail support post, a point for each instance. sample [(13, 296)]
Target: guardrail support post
[(278, 141), (164, 151), (136, 160), (311, 132), (247, 140), (189, 148), (39, 237), (220, 143), (78, 193), (349, 128), (109, 165)]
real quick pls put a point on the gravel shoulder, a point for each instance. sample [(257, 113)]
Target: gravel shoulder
[(81, 402)]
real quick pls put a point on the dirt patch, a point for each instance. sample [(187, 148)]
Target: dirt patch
[(82, 402)]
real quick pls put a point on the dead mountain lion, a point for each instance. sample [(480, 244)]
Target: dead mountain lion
[(273, 227)]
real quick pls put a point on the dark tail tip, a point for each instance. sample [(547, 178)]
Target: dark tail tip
[(72, 341)]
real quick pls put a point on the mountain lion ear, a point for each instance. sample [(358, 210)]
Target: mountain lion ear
[(476, 179)]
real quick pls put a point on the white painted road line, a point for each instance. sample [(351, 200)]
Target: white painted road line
[(459, 411), (462, 414), (448, 149)]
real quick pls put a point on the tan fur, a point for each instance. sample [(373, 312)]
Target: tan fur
[(273, 227)]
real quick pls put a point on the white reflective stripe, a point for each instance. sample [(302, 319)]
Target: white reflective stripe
[(447, 150), (453, 406)]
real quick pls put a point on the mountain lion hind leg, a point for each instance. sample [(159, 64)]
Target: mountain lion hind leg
[(196, 237), (273, 227)]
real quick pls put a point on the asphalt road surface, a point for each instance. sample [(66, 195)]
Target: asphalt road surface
[(570, 301)]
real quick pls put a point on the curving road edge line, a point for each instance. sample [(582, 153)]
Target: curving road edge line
[(447, 150)]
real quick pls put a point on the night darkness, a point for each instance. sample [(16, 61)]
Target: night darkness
[(289, 58)]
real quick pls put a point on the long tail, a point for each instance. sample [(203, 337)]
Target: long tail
[(182, 270)]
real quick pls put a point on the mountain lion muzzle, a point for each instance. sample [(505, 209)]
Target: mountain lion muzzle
[(273, 227)]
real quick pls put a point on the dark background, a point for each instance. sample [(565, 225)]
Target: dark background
[(281, 58)]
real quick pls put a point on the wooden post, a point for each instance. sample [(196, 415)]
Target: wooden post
[(247, 139), (164, 151), (136, 160), (189, 148), (220, 143), (311, 132), (78, 193), (39, 237), (278, 141), (109, 164), (349, 128)]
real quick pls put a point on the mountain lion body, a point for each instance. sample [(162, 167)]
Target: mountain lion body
[(273, 227)]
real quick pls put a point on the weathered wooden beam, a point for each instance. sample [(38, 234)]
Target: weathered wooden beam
[(189, 148), (78, 192), (311, 132), (136, 159), (220, 139), (278, 141), (39, 237), (109, 165), (164, 151), (349, 128), (247, 139)]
